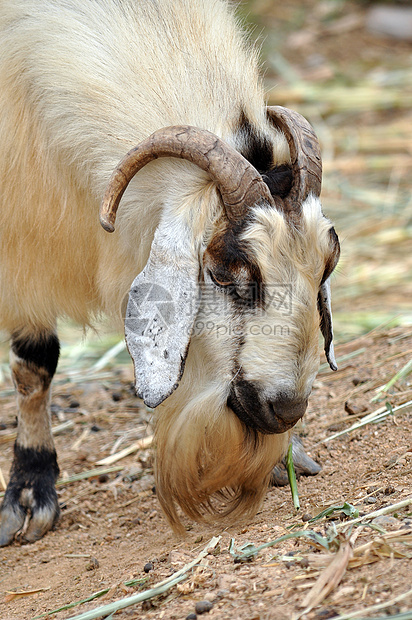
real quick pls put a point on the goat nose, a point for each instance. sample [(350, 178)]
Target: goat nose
[(290, 410)]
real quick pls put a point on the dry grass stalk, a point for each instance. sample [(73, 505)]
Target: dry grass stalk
[(379, 548), (2, 481), (377, 513), (76, 445), (10, 596), (328, 579), (373, 551), (141, 444), (399, 376), (200, 575), (376, 416), (91, 473)]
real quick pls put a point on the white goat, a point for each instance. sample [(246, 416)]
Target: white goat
[(225, 227)]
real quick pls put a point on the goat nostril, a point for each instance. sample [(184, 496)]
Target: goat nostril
[(289, 410)]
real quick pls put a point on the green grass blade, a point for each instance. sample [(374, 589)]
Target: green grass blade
[(292, 478)]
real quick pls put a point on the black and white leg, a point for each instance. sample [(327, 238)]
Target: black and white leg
[(303, 463), (30, 505)]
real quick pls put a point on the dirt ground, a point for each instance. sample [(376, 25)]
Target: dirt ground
[(111, 524)]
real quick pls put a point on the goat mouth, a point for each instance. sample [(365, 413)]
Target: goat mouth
[(258, 417)]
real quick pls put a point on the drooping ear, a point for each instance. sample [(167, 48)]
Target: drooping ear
[(163, 303), (326, 327)]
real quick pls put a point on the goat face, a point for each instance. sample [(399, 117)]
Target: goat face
[(261, 289), (248, 298), (265, 271)]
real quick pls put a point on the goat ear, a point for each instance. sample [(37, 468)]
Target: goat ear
[(163, 303), (325, 311)]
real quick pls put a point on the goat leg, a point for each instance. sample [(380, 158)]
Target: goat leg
[(30, 505)]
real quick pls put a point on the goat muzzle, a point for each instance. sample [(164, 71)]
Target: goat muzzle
[(268, 416)]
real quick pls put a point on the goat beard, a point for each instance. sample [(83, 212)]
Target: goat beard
[(209, 464)]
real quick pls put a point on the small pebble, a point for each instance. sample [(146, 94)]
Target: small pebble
[(357, 380), (221, 594), (203, 607), (147, 605), (74, 404), (353, 408), (148, 567), (92, 564), (370, 500), (191, 616), (306, 517), (385, 521)]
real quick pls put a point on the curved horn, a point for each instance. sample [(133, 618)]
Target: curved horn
[(239, 183), (304, 152)]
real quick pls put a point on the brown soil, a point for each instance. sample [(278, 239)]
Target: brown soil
[(112, 526)]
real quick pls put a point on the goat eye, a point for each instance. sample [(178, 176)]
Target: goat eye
[(220, 283)]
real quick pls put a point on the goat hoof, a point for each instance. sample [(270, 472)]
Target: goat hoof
[(304, 465), (25, 517), (30, 507), (11, 521)]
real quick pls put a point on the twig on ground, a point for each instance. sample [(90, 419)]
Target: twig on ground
[(376, 416), (328, 579), (141, 444), (401, 374), (377, 513), (91, 473)]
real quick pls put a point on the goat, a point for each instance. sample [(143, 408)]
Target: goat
[(220, 239)]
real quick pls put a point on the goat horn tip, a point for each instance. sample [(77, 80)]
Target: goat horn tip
[(106, 223)]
